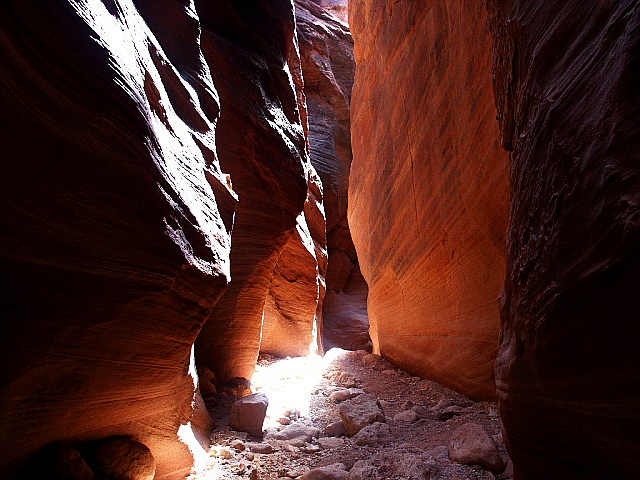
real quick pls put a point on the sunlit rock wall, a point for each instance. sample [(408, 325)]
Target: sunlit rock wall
[(428, 195), (326, 49), (115, 225), (568, 371), (261, 143)]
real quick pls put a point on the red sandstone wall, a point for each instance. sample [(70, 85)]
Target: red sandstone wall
[(568, 371), (326, 50), (428, 188), (115, 225)]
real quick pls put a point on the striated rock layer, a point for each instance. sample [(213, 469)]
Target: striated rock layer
[(428, 193), (115, 224), (326, 50), (262, 144), (568, 371)]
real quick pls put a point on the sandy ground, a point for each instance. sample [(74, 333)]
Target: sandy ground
[(298, 390)]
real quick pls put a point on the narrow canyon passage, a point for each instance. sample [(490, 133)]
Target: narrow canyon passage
[(304, 436), (202, 198)]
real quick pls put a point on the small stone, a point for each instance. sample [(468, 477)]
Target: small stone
[(359, 412), (389, 372), (408, 405), (226, 454), (249, 456), (330, 442), (335, 429), (371, 358), (411, 467), (407, 416), (253, 475), (247, 414), (375, 434), (297, 430), (337, 471), (449, 412), (345, 394), (264, 448), (470, 444), (284, 421), (238, 445), (362, 470), (296, 472), (309, 448), (420, 410)]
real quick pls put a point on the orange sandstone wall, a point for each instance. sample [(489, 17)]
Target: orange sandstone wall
[(428, 195)]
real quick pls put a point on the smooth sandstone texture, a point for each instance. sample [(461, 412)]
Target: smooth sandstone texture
[(568, 370), (115, 225), (326, 50), (261, 144), (428, 194)]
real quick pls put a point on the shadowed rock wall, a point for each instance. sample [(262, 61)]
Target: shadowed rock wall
[(116, 223), (261, 143), (568, 370), (428, 192), (326, 49)]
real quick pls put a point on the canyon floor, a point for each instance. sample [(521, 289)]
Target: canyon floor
[(421, 416)]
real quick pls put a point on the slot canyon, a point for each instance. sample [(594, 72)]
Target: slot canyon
[(424, 214)]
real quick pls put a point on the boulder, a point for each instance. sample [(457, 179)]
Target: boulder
[(470, 444), (359, 412), (121, 458), (248, 413)]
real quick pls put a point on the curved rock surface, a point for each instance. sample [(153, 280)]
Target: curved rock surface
[(428, 195), (115, 225), (568, 371), (326, 50), (261, 143)]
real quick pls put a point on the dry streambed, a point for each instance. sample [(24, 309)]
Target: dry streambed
[(354, 416)]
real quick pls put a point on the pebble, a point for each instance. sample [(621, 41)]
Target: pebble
[(238, 445), (264, 448), (407, 416)]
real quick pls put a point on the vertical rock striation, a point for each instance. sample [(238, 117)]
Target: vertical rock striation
[(428, 195), (568, 371), (326, 49), (116, 223), (261, 143)]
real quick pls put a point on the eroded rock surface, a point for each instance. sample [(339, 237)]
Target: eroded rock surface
[(261, 143), (566, 79), (428, 195), (115, 225), (326, 50)]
